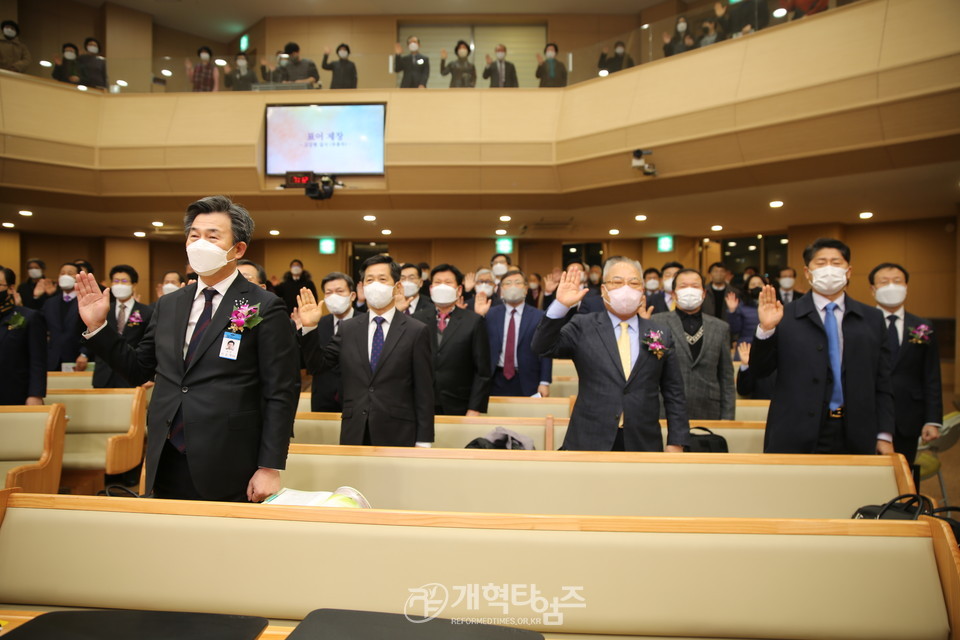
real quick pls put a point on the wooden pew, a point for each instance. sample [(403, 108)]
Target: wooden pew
[(69, 380), (741, 436), (564, 368), (752, 410), (31, 447), (763, 578), (512, 407), (564, 386), (593, 483), (105, 434)]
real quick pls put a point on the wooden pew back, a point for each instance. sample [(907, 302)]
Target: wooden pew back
[(741, 436), (69, 380), (511, 407), (31, 447)]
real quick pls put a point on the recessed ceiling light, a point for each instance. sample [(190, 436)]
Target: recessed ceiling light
[(645, 26), (386, 232), (759, 236), (501, 232), (369, 218), (157, 223), (866, 215), (373, 244), (784, 240), (706, 239), (726, 253), (121, 83), (505, 218), (46, 63), (82, 87), (614, 232), (220, 62), (640, 218), (140, 234), (26, 213), (731, 244), (776, 204), (603, 73), (752, 247), (573, 249), (779, 13), (716, 227), (274, 232), (166, 73), (8, 225)]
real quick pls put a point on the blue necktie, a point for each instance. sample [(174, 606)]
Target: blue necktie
[(833, 348), (377, 348)]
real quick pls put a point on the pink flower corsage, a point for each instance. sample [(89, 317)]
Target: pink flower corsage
[(134, 319), (652, 341), (920, 334), (244, 316)]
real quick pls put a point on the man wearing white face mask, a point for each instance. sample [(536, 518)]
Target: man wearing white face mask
[(484, 295), (63, 323), (415, 66), (832, 360), (14, 55), (502, 73), (93, 66), (412, 303), (385, 363), (787, 281), (915, 357), (664, 300), (243, 77), (619, 61), (704, 351), (220, 418), (204, 75), (625, 362), (130, 318), (339, 293)]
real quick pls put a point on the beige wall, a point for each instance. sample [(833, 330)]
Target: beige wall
[(10, 253), (45, 25), (134, 252), (278, 254), (55, 250), (130, 37)]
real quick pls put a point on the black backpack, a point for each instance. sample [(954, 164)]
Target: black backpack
[(708, 442)]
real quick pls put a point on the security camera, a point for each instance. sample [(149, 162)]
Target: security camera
[(639, 162), (322, 188)]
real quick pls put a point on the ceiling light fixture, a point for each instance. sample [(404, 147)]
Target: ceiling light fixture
[(866, 215), (274, 232), (386, 232), (776, 204), (501, 232), (369, 218), (140, 234), (8, 225), (505, 218), (157, 223), (26, 213), (716, 227), (614, 232), (641, 218)]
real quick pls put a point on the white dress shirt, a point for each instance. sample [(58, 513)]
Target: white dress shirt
[(516, 328), (372, 328), (338, 321), (788, 296), (199, 301), (413, 304)]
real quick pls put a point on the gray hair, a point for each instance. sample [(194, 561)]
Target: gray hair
[(241, 224), (618, 260), (481, 272)]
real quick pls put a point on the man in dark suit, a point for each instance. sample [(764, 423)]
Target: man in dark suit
[(63, 322), (131, 318), (786, 282), (220, 419), (461, 348), (664, 300), (502, 74), (413, 302), (23, 348), (703, 352), (715, 301), (414, 65), (385, 362), (625, 363), (339, 294), (517, 369), (832, 361), (590, 303), (917, 391)]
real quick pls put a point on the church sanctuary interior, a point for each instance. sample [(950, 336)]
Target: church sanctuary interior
[(725, 138)]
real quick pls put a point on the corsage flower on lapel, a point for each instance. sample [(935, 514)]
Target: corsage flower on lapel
[(920, 334), (16, 321), (244, 316), (134, 319), (652, 341)]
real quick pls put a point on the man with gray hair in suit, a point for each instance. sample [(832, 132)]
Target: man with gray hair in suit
[(704, 351), (624, 361)]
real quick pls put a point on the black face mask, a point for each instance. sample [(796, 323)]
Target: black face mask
[(755, 292), (6, 301)]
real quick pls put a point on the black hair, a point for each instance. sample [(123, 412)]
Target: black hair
[(298, 261), (889, 265), (716, 264), (650, 270), (423, 265), (205, 48), (699, 275), (241, 224), (671, 265), (10, 277), (72, 264), (619, 43), (10, 23), (552, 44), (92, 39), (381, 259), (261, 272), (125, 268), (409, 38), (179, 276), (291, 47), (83, 264), (409, 265), (513, 272), (344, 45), (790, 269), (440, 268), (69, 45), (464, 43), (43, 265), (336, 275), (825, 243), (242, 53), (503, 255)]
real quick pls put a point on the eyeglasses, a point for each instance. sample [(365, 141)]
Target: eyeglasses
[(616, 283)]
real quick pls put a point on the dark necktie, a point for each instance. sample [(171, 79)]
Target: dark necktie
[(336, 327), (833, 349), (377, 348), (893, 338), (121, 318), (509, 365), (177, 438)]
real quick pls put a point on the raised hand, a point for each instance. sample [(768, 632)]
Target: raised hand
[(743, 348), (644, 311), (539, 59), (57, 61), (488, 59), (732, 301), (667, 38), (92, 303), (401, 302), (460, 303), (360, 296), (227, 69), (550, 282), (569, 293), (769, 309), (469, 281), (443, 54), (44, 286), (310, 311), (398, 48), (605, 50), (326, 51), (481, 304), (295, 316)]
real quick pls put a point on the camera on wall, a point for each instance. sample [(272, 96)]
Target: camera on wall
[(639, 162), (317, 187)]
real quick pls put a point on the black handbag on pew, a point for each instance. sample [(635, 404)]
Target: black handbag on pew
[(708, 442), (915, 506)]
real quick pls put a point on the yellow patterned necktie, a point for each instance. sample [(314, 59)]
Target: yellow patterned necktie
[(623, 346)]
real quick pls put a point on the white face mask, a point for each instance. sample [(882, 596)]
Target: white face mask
[(169, 288), (551, 54), (689, 298), (534, 285), (336, 303), (35, 274), (205, 257), (414, 47), (619, 51), (241, 63), (485, 288), (443, 294), (891, 295), (410, 289), (10, 33), (425, 276), (121, 291), (296, 270), (681, 27), (828, 280), (594, 278), (284, 62), (343, 53), (668, 284), (513, 294), (92, 48), (463, 53), (69, 55), (67, 283), (624, 300), (501, 55), (499, 269), (205, 56), (378, 295), (652, 284), (787, 283)]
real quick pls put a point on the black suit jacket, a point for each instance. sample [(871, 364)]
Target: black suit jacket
[(415, 68), (509, 75), (326, 389), (396, 400), (605, 393), (461, 364), (65, 330), (344, 73), (917, 391), (105, 377), (23, 353), (797, 351), (531, 368), (238, 414), (426, 311), (657, 300)]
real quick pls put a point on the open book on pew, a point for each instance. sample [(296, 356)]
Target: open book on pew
[(344, 498)]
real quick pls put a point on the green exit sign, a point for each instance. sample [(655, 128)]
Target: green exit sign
[(244, 42), (505, 245), (328, 246), (665, 244)]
